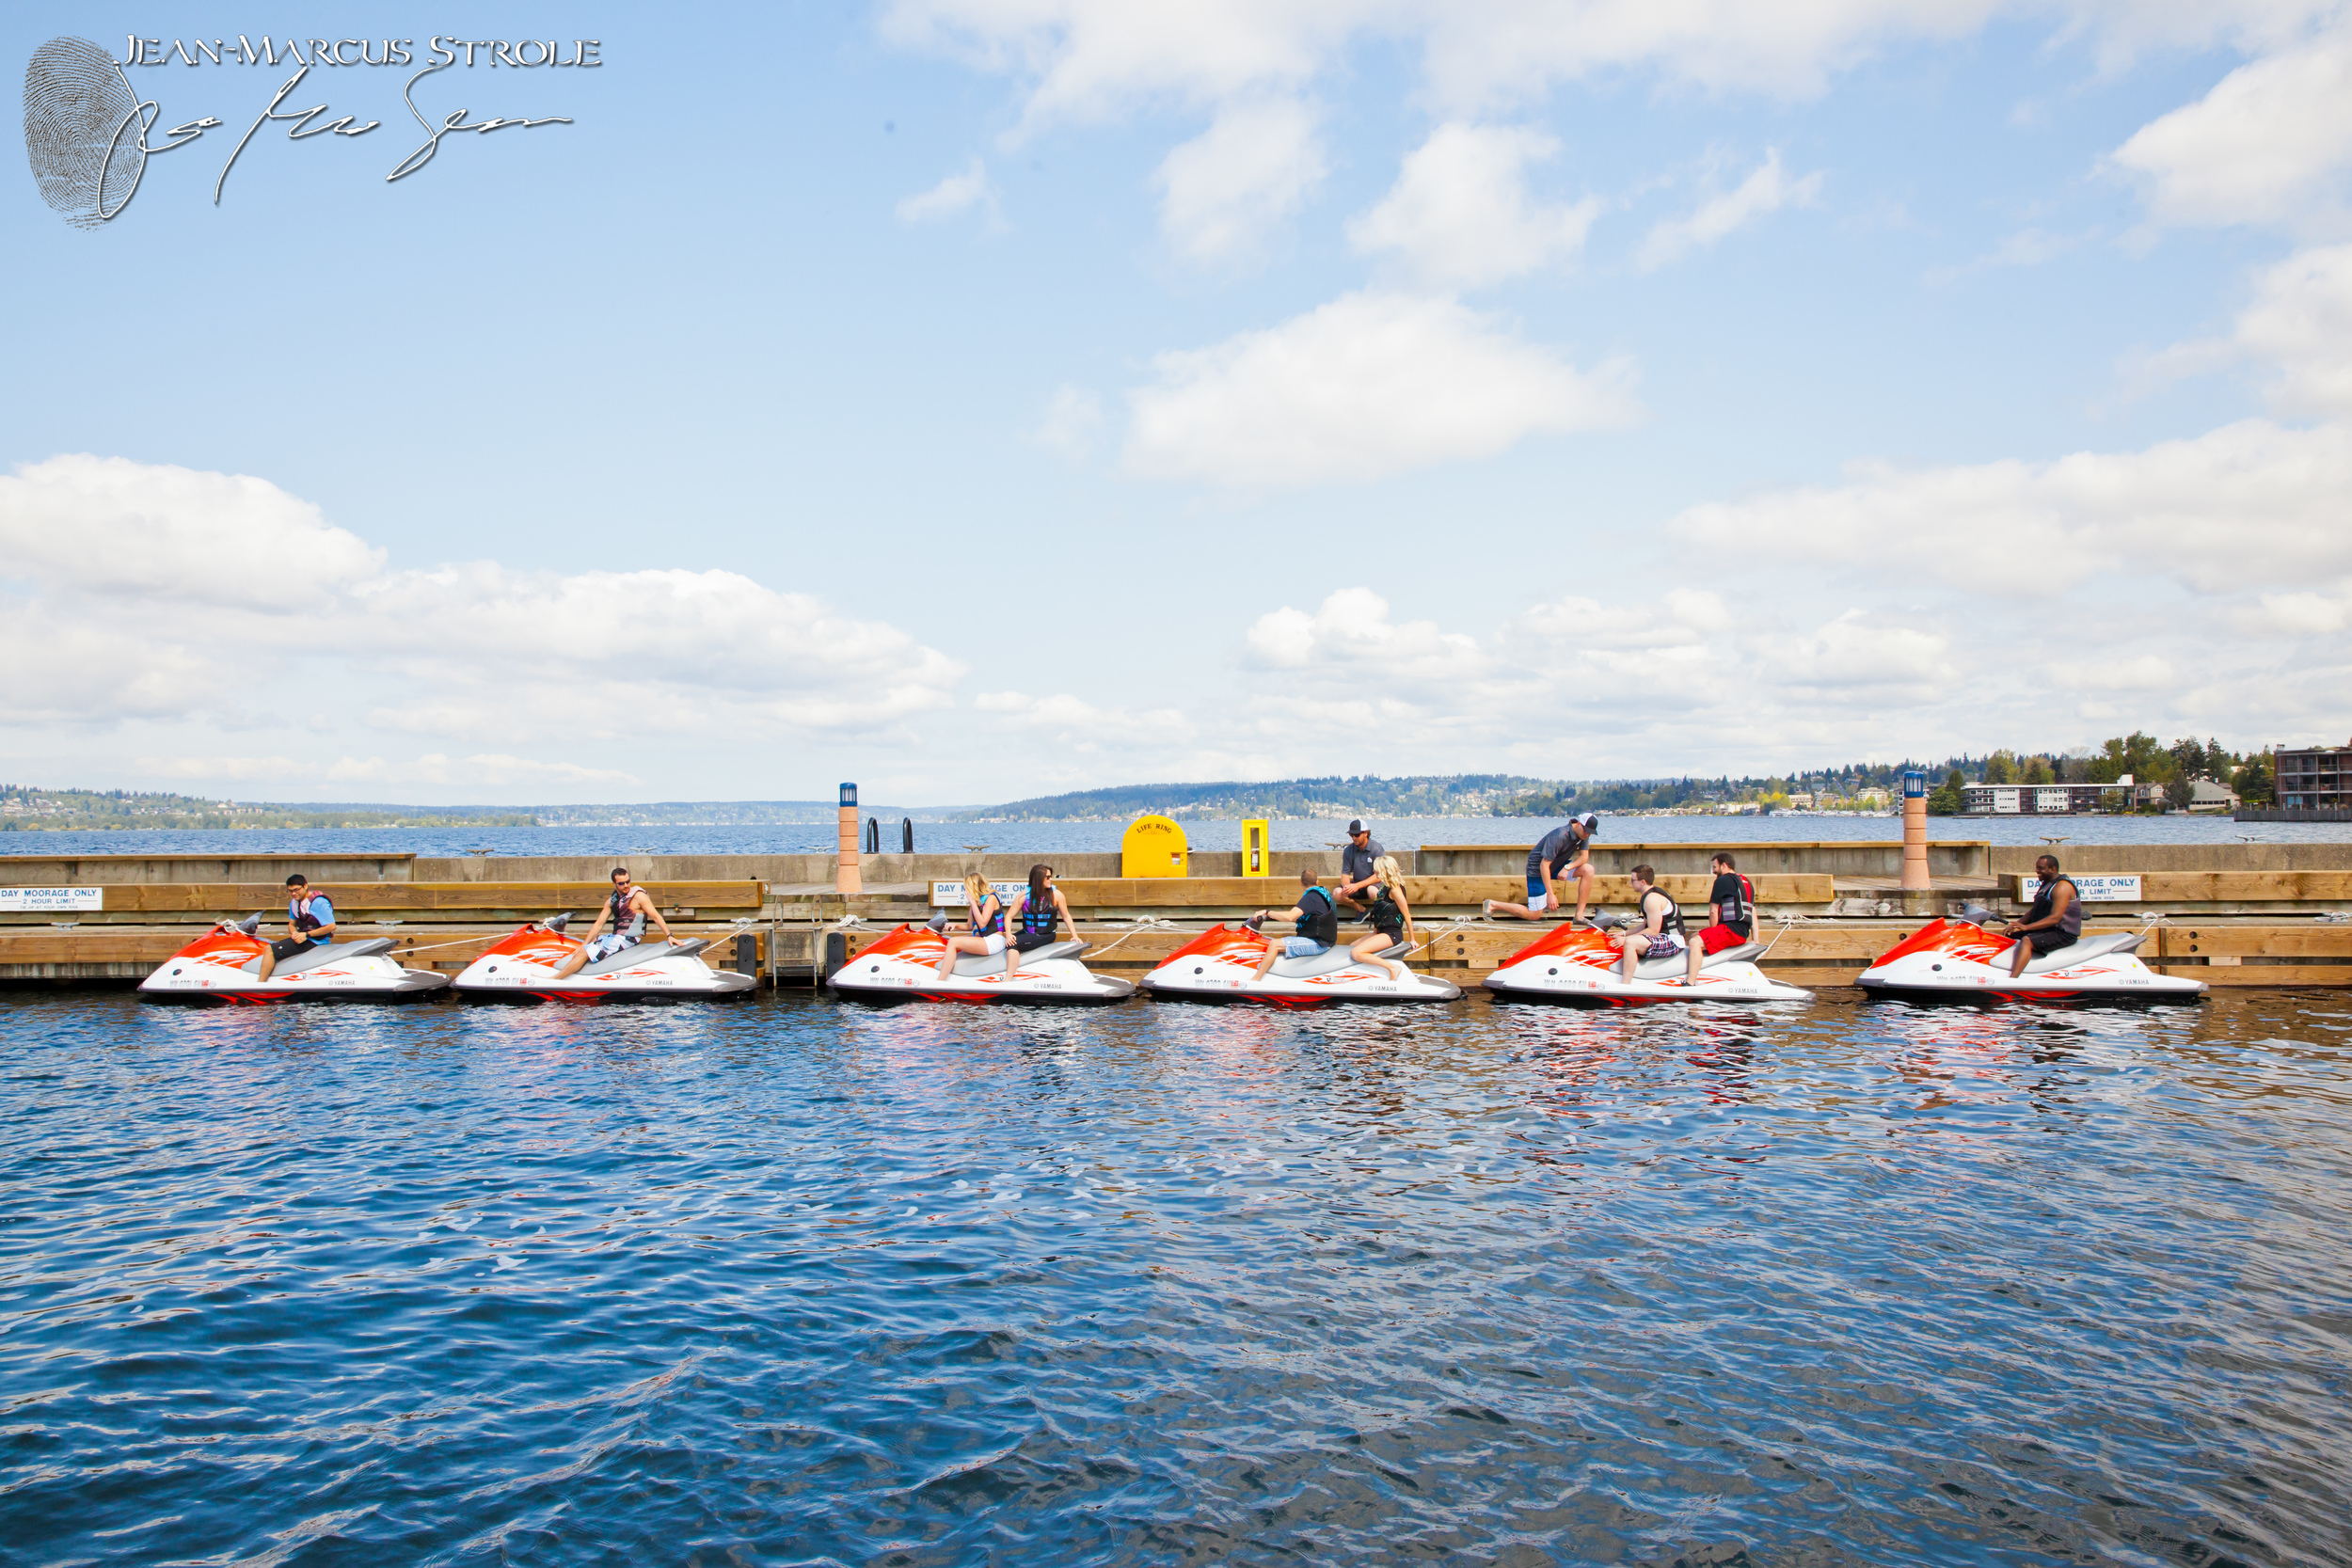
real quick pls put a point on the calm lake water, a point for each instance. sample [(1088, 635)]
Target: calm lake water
[(1065, 838), (799, 1282)]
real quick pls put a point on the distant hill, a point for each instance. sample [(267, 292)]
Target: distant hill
[(25, 808), (1426, 795)]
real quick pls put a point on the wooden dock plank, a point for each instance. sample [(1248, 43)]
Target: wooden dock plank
[(223, 899)]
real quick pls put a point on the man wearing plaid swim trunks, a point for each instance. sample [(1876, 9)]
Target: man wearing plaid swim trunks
[(1661, 936)]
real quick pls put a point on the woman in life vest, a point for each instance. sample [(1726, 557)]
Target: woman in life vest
[(987, 935), (1391, 917), (1318, 925), (1661, 936), (1034, 918)]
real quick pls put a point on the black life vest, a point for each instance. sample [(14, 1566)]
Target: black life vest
[(1385, 915), (1739, 911), (2046, 894), (1324, 927), (1038, 916), (1672, 925), (626, 924)]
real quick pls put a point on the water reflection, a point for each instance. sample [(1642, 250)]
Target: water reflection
[(934, 1284)]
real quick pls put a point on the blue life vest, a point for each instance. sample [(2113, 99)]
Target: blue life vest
[(1318, 917), (1039, 918), (995, 922)]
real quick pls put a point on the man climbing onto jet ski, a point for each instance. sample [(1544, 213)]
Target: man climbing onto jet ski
[(1040, 909), (310, 923), (2053, 921), (1661, 935), (1318, 925), (1566, 852), (628, 909)]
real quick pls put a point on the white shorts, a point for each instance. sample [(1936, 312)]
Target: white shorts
[(996, 943), (1539, 902)]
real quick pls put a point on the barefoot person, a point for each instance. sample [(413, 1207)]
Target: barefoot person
[(1564, 853), (309, 922), (1035, 915), (1661, 936), (1732, 898), (2054, 922), (986, 936), (627, 912), (1318, 925), (1391, 916)]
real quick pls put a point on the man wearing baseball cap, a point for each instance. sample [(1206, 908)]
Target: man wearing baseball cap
[(1566, 852), (1356, 873)]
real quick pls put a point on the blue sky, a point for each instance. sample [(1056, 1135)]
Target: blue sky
[(976, 397)]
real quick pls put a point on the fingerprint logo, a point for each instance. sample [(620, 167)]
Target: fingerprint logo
[(84, 131)]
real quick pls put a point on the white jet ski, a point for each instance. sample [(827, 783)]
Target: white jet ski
[(225, 965), (904, 966), (1960, 959), (522, 969), (1575, 964), (1221, 965)]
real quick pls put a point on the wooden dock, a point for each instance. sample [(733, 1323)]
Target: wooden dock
[(2229, 914)]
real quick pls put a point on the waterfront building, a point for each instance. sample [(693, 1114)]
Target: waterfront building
[(2313, 775), (2205, 795), (2033, 800)]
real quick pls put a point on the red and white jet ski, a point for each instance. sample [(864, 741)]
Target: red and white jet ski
[(1948, 959), (904, 966), (522, 969), (1221, 965), (225, 964), (1575, 964)]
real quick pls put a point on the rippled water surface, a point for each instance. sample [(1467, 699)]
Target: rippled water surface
[(798, 1282)]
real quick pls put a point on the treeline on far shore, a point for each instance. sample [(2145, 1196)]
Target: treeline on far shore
[(25, 809)]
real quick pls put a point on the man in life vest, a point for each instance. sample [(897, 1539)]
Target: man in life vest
[(1318, 927), (2054, 922), (627, 911), (1661, 936), (1565, 855), (1733, 900), (309, 922)]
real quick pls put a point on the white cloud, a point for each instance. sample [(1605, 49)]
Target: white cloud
[(1370, 385), (112, 528), (2245, 506), (1460, 213), (1073, 422), (2262, 147), (957, 194), (1223, 190), (487, 652), (2300, 322), (1082, 726), (1767, 190), (490, 768)]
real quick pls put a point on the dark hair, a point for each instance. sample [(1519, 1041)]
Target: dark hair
[(297, 880), (1645, 874), (2052, 859), (1037, 874), (1724, 856), (620, 871), (1307, 877)]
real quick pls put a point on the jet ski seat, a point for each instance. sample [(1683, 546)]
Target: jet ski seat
[(318, 956), (1667, 968), (1340, 958), (2086, 947), (971, 966), (637, 953)]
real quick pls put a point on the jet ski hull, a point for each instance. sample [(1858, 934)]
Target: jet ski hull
[(904, 967), (1221, 965), (221, 967), (1574, 966), (522, 968), (1959, 960)]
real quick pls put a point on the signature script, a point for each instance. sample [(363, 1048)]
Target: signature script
[(144, 115)]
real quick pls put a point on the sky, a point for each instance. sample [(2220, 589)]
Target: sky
[(978, 399)]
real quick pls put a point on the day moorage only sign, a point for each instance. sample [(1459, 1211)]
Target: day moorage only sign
[(46, 900), (2091, 889), (950, 894)]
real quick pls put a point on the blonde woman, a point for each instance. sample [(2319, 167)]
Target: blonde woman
[(1391, 916), (987, 935)]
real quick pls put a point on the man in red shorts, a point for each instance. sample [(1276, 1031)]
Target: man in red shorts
[(1734, 901)]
